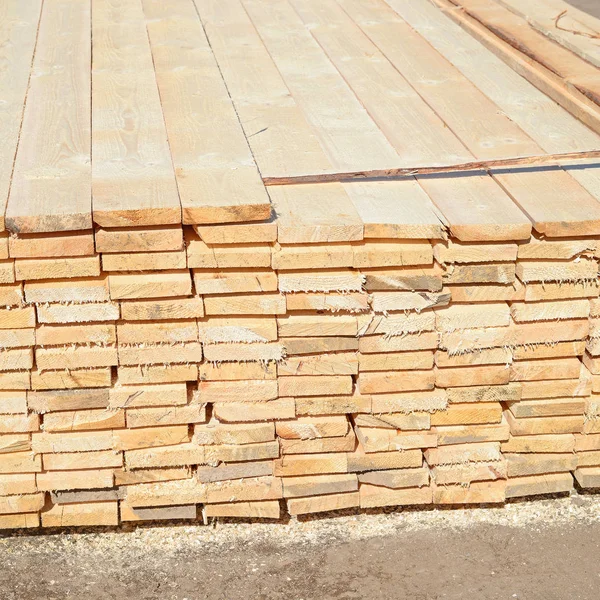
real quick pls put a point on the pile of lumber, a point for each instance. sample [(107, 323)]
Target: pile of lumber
[(179, 340), (330, 375)]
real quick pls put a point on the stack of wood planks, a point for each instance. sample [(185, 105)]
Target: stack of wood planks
[(180, 341)]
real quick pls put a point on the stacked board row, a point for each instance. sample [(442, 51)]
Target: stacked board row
[(235, 376)]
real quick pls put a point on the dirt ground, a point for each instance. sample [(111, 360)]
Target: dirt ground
[(545, 549)]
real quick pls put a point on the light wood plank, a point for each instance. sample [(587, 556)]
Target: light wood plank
[(18, 32), (133, 177), (51, 186), (216, 174)]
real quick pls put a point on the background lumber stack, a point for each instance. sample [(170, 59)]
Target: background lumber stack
[(178, 341)]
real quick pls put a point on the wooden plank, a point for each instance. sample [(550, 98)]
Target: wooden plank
[(261, 509), (262, 353), (548, 408), (216, 174), (560, 249), (242, 452), (463, 453), (166, 332), (82, 378), (328, 502), (73, 480), (282, 126), (218, 330), (13, 402), (82, 515), (472, 434), (214, 432), (353, 302), (75, 357), (566, 270), (226, 281), (150, 437), (172, 308), (11, 295), (142, 261), (250, 304), (520, 465), (238, 391), (540, 443), (232, 371), (79, 453), (20, 521), (468, 414), (320, 281), (139, 239), (345, 443), (135, 396), (68, 290), (65, 334), (543, 16), (186, 512), (476, 493), (466, 316), (18, 31), (533, 485), (67, 442), (160, 354), (549, 311), (233, 412), (315, 213), (51, 245), (168, 415), (202, 256), (224, 472), (341, 363), (549, 368), (544, 425), (77, 313), (57, 268), (315, 385), (315, 325), (152, 285), (133, 179), (51, 185), (150, 475), (71, 400)]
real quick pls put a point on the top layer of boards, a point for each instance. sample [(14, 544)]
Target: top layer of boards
[(125, 113)]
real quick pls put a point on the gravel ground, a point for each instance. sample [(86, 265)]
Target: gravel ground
[(545, 549)]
